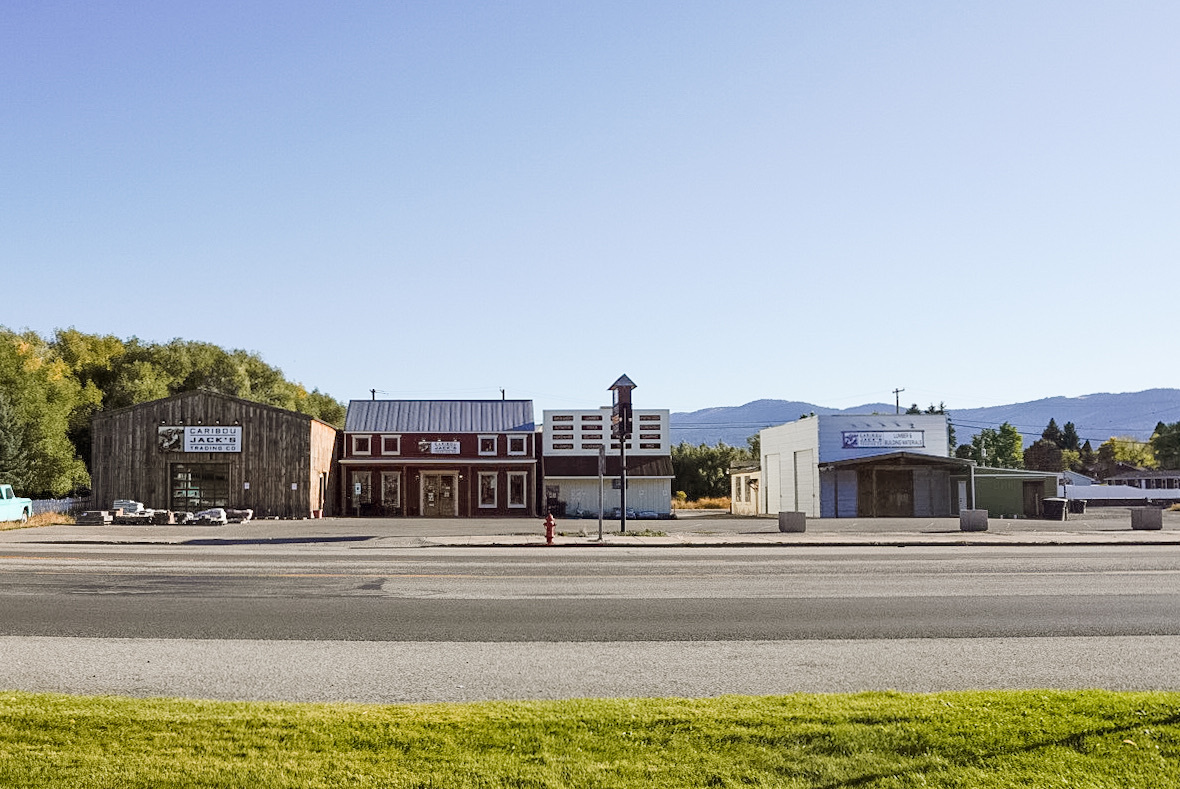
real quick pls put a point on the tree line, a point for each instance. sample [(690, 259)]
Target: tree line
[(1057, 450), (50, 387)]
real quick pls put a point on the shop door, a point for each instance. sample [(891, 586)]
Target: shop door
[(1034, 492), (896, 489), (885, 493), (438, 495), (199, 487)]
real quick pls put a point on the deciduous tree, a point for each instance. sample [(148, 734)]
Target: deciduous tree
[(1001, 448), (703, 471), (42, 395), (1123, 449)]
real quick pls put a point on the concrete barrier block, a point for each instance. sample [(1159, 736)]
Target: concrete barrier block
[(973, 520), (792, 521), (1147, 518)]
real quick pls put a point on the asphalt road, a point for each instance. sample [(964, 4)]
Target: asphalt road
[(363, 621)]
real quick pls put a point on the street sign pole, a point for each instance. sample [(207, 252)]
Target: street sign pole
[(601, 482), (621, 429), (622, 481)]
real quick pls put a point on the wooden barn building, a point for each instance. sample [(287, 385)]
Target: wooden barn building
[(439, 458), (200, 450)]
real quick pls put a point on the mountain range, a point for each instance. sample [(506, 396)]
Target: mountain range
[(1097, 417)]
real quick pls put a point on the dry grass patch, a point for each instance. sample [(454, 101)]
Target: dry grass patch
[(716, 503), (44, 519)]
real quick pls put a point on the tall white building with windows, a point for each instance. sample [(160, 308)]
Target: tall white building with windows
[(571, 443)]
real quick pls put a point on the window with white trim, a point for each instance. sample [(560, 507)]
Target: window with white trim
[(391, 445), (518, 445), (487, 445), (517, 485), (362, 445), (487, 488)]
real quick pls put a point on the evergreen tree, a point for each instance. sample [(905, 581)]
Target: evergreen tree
[(1044, 455), (1052, 433), (14, 460), (1069, 437), (1165, 443)]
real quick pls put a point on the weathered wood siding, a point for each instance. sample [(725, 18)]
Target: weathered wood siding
[(284, 454)]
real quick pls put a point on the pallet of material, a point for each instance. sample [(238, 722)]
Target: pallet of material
[(133, 519), (94, 518)]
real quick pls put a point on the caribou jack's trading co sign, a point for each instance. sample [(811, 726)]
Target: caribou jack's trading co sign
[(883, 439), (199, 438)]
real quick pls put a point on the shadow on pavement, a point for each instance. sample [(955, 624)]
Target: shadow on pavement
[(275, 540)]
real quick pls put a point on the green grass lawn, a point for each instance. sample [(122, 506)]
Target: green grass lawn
[(976, 739)]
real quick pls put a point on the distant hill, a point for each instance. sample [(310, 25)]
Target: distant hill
[(1096, 416)]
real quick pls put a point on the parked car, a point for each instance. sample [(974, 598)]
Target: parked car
[(13, 507)]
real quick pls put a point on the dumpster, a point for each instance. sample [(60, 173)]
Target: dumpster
[(1054, 509), (1077, 506)]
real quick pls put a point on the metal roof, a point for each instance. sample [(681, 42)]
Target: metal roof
[(1146, 474), (913, 458), (440, 416)]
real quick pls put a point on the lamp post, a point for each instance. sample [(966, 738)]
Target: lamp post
[(620, 428)]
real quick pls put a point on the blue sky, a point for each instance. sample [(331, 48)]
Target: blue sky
[(977, 202)]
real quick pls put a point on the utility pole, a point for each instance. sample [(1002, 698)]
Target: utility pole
[(897, 400)]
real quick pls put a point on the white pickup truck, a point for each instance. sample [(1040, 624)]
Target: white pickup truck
[(12, 507)]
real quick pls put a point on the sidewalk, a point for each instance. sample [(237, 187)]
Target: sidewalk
[(654, 536), (1106, 527)]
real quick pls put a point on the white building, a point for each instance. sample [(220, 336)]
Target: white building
[(744, 490), (843, 466), (571, 442)]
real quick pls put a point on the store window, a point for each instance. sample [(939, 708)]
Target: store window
[(362, 445), (487, 488), (391, 445), (517, 481), (391, 490), (365, 495), (487, 445), (518, 445)]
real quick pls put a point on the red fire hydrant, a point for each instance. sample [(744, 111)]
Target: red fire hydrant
[(550, 525)]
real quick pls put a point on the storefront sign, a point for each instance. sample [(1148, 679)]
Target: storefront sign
[(883, 439), (444, 447), (214, 438)]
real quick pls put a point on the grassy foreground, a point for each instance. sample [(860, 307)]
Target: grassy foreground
[(976, 739)]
